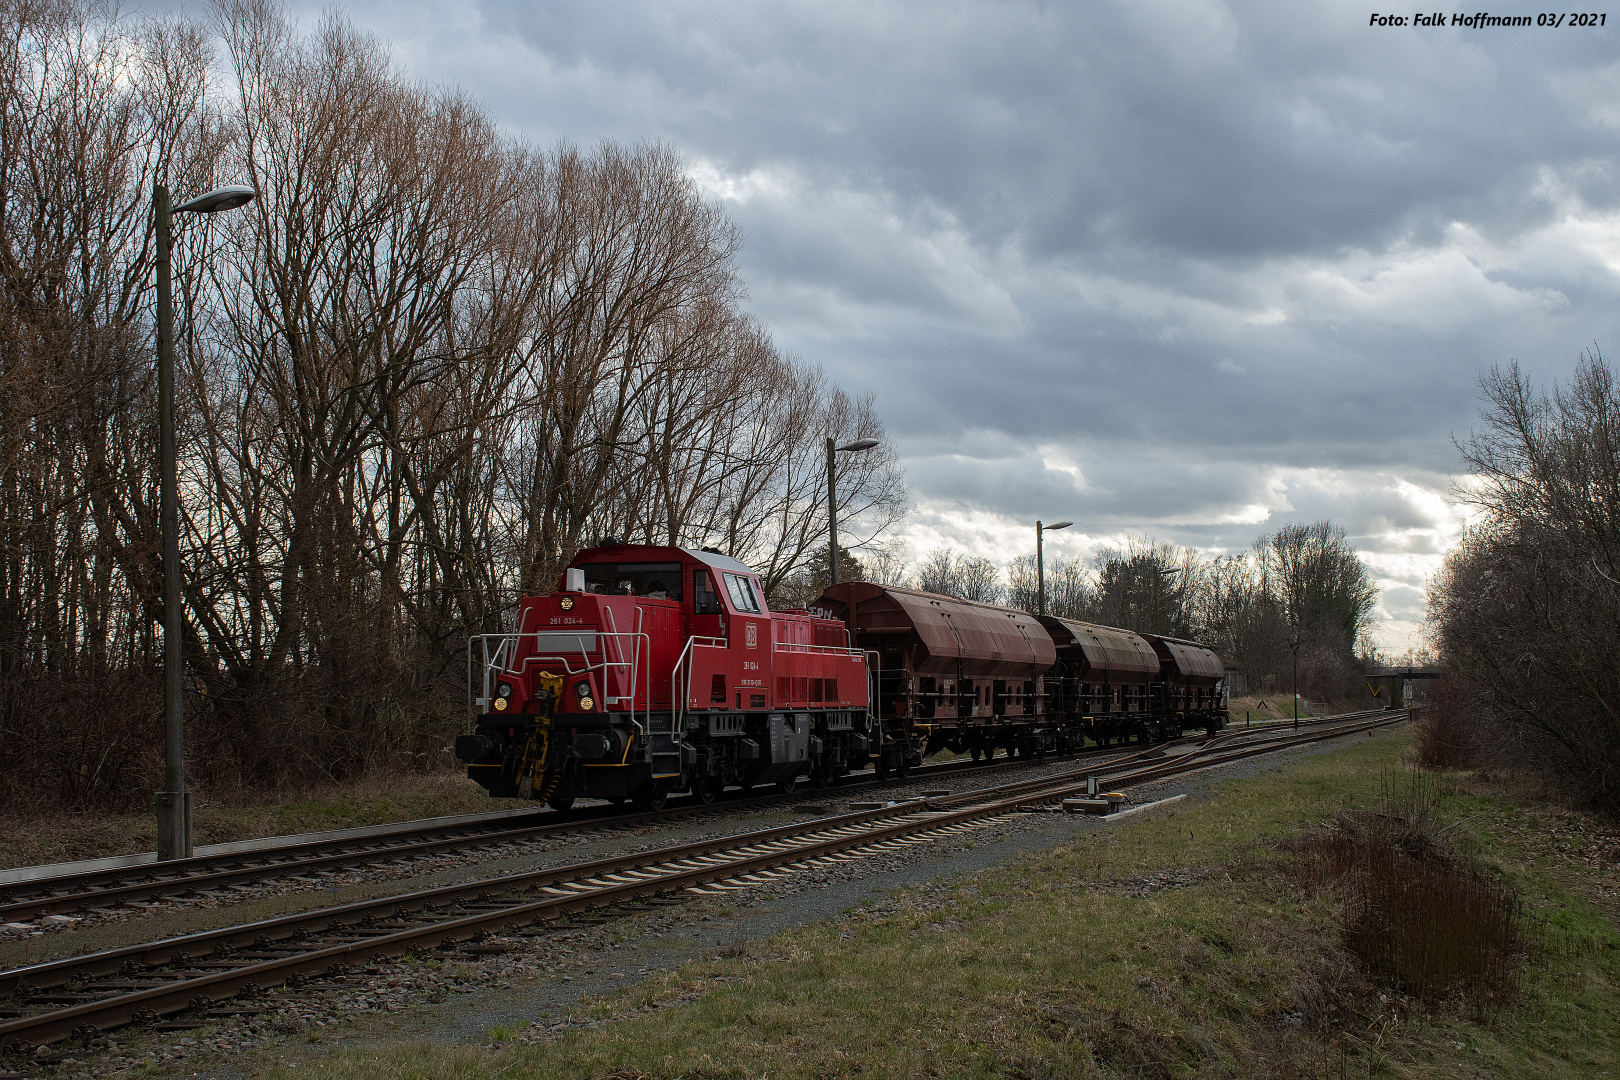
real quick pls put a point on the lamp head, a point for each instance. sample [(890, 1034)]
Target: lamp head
[(859, 444), (1059, 525), (225, 198)]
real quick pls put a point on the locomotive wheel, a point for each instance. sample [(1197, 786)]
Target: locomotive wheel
[(617, 800), (651, 799), (560, 803), (977, 753)]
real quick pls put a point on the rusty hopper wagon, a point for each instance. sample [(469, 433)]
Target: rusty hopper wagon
[(952, 674), (1101, 687), (1188, 690)]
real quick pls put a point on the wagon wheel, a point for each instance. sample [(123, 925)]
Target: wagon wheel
[(706, 791), (789, 786), (560, 803), (651, 799)]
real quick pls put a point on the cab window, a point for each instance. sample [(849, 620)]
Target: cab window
[(704, 600), (659, 581), (742, 593)]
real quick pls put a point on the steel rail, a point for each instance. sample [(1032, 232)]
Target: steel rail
[(575, 888), (109, 961), (113, 887), (109, 888)]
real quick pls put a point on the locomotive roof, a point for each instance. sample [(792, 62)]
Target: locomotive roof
[(648, 553)]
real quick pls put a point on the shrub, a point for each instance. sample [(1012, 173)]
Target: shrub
[(1446, 733)]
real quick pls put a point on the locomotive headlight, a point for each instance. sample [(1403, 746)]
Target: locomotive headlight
[(586, 704), (504, 690), (566, 603), (582, 689)]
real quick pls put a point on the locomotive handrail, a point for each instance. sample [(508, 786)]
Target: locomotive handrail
[(501, 660), (679, 693), (793, 646), (637, 636)]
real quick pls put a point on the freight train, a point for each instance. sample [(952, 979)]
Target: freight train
[(657, 670)]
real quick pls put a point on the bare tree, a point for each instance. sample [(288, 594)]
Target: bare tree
[(1325, 589), (1069, 589), (1148, 587), (416, 374), (1525, 610), (951, 573)]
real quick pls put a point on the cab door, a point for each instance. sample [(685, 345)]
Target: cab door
[(708, 613), (710, 680), (750, 641)]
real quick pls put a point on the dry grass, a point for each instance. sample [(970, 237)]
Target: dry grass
[(1446, 733), (31, 841)]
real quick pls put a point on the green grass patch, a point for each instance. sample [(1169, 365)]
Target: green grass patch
[(1176, 945)]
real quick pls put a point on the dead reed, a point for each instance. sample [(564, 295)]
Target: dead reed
[(1420, 917)]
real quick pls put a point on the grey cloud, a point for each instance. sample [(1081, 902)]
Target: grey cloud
[(1030, 226)]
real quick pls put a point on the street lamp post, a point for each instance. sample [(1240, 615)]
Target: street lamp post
[(832, 498), (172, 804), (1293, 643), (1040, 564)]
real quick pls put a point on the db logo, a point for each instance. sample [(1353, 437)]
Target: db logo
[(753, 635)]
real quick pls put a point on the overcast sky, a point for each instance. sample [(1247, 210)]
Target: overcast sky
[(1194, 270)]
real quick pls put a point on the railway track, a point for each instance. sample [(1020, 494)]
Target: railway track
[(109, 888), (236, 970)]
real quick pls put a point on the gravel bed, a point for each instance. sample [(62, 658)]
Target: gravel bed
[(527, 992)]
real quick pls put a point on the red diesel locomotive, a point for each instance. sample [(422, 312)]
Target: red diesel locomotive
[(658, 669)]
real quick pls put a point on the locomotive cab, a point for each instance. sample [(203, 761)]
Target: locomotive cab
[(654, 670)]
